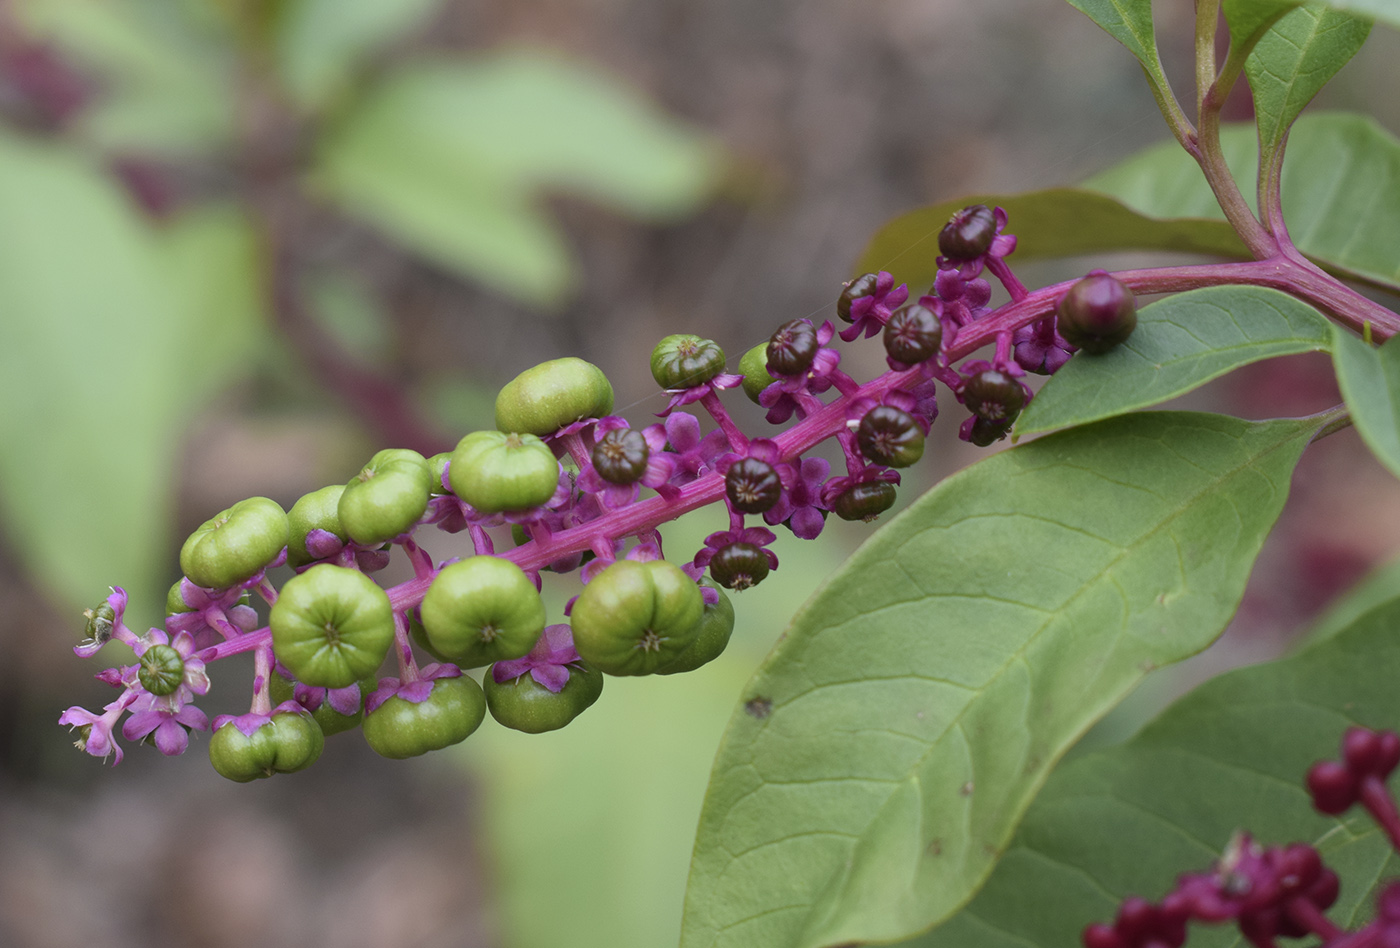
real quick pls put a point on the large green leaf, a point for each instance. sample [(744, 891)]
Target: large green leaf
[(452, 157), (167, 70), (1058, 222), (1180, 343), (1295, 59), (1248, 19), (1229, 756), (884, 752), (1341, 189), (1370, 382), (321, 42)]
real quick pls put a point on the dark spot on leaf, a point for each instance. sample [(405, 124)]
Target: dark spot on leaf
[(759, 707), (966, 789), (935, 847)]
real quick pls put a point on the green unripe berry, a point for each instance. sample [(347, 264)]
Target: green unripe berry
[(482, 610), (235, 544), (526, 705), (887, 435), (452, 711), (387, 497), (541, 400), (684, 361), (175, 601), (754, 367), (162, 670), (318, 510), (291, 741), (437, 464), (1097, 313), (330, 720), (634, 618), (331, 626), (711, 639), (494, 471)]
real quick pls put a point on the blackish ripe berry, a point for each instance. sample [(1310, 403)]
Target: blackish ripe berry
[(620, 456), (1097, 313), (986, 433), (887, 435), (968, 233), (993, 395), (739, 566), (864, 501), (683, 361), (913, 334), (863, 285), (792, 349), (752, 485)]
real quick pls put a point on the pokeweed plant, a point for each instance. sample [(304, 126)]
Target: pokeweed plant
[(878, 765)]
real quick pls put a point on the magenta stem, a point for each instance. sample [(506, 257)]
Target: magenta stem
[(408, 665), (1381, 805), (1302, 911), (262, 679), (1002, 272), (737, 439)]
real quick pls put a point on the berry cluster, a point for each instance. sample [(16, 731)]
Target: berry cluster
[(560, 481), (1278, 891)]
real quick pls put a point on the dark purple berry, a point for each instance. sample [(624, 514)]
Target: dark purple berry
[(986, 433), (739, 566), (887, 435), (1097, 313), (864, 501), (1332, 786), (1361, 750), (620, 456), (863, 285), (1099, 935), (968, 233), (993, 395), (752, 485), (793, 348), (913, 334)]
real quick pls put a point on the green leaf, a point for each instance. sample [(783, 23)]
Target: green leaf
[(1245, 16), (1130, 23), (1180, 343), (321, 42), (452, 159), (1295, 59), (87, 348), (1382, 11), (1370, 382), (166, 71), (1230, 756), (1341, 189), (886, 749), (1248, 19), (1059, 222)]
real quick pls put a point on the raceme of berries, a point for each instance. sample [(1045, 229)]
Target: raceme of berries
[(561, 486), (1269, 892)]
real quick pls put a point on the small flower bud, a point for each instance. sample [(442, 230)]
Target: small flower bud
[(968, 233), (1097, 313)]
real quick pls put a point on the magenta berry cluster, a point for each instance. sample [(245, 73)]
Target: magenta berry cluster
[(561, 485), (1279, 891)]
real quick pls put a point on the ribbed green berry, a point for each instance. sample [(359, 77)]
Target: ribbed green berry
[(451, 712), (526, 705), (291, 741), (711, 639), (494, 471), (318, 510), (541, 400), (175, 601), (684, 360), (482, 610), (387, 497), (235, 544), (331, 626), (162, 670), (754, 367), (634, 618)]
